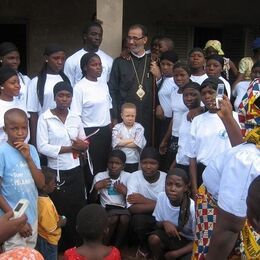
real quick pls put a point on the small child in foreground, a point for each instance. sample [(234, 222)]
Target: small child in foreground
[(92, 223), (111, 185), (49, 222)]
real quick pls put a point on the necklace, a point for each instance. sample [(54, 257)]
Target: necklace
[(140, 92)]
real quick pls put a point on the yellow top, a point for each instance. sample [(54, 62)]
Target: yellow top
[(47, 220)]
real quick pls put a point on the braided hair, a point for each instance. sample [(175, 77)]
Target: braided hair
[(184, 213), (50, 49)]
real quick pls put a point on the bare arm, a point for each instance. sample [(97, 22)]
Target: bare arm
[(224, 235), (233, 68), (165, 140), (36, 173), (240, 77), (140, 204), (231, 125)]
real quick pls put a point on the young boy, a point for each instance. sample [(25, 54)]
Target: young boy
[(128, 136), (49, 222), (20, 174)]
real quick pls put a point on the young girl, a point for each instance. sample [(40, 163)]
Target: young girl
[(175, 216), (92, 102), (91, 226), (197, 63), (111, 186), (192, 99), (143, 188), (214, 67), (165, 87), (9, 91), (10, 57), (181, 75), (208, 134), (40, 89)]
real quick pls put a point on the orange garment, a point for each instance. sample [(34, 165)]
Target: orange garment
[(47, 220)]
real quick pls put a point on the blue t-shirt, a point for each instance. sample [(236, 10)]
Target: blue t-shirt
[(17, 181)]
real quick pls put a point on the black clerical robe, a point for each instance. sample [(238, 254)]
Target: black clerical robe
[(123, 85)]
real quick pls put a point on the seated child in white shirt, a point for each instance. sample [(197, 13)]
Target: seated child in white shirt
[(111, 186), (175, 216)]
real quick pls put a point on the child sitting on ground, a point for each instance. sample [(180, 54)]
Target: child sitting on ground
[(128, 136), (91, 226), (175, 216), (143, 188), (49, 222), (20, 174), (111, 185)]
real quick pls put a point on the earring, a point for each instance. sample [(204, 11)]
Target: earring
[(1, 61), (46, 60), (1, 87)]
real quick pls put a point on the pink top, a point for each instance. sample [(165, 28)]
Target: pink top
[(71, 254)]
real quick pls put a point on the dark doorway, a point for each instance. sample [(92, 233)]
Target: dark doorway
[(203, 34), (16, 33)]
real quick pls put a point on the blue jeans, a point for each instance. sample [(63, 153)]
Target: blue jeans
[(48, 250)]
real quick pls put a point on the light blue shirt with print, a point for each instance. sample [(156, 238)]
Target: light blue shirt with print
[(16, 179)]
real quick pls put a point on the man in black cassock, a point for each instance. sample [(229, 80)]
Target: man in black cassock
[(131, 81)]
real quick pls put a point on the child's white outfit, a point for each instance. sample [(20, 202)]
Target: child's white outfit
[(165, 211), (136, 132), (109, 196)]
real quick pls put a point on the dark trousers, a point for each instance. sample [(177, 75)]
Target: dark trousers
[(68, 199)]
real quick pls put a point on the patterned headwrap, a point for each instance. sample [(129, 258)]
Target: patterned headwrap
[(249, 113), (215, 44)]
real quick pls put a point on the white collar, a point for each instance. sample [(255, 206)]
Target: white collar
[(139, 56)]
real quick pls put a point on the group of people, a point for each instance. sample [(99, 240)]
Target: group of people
[(137, 147)]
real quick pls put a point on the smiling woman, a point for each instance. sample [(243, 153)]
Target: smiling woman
[(9, 89)]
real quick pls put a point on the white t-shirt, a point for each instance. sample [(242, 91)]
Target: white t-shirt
[(208, 137), (239, 92), (178, 109), (136, 132), (138, 184), (4, 106), (73, 71), (183, 142), (92, 102), (110, 196), (52, 134), (199, 79), (165, 211), (229, 176), (164, 95), (33, 104)]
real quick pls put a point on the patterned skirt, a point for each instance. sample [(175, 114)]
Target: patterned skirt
[(206, 211)]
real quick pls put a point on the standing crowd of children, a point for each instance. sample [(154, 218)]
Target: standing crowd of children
[(94, 187)]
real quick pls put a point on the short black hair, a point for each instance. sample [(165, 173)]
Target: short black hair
[(91, 24), (92, 222)]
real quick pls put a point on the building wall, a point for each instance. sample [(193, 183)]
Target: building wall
[(62, 21)]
